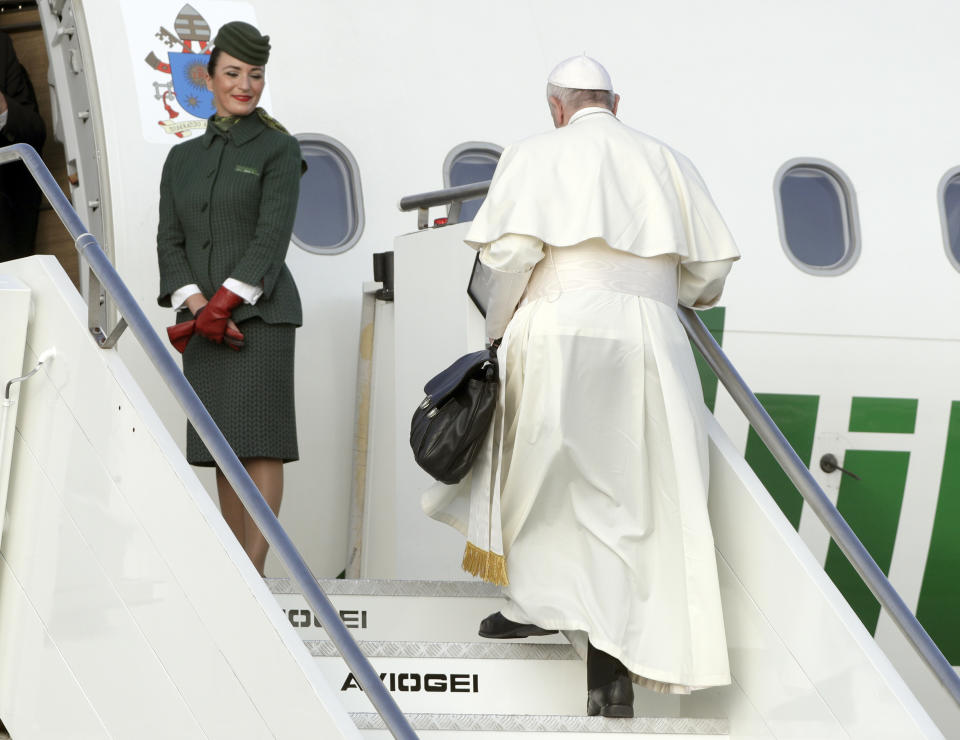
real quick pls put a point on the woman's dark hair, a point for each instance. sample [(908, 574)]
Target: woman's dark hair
[(212, 63)]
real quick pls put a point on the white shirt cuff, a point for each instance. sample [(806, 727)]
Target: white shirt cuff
[(250, 293), (178, 298), (3, 118)]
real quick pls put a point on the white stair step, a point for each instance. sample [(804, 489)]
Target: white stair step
[(522, 726), (421, 636), (464, 678), (432, 611)]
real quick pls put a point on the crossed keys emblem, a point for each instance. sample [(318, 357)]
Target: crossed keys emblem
[(187, 69)]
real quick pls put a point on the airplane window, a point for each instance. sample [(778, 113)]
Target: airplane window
[(816, 209), (473, 161), (330, 210), (950, 214)]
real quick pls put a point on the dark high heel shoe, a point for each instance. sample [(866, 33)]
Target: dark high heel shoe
[(613, 700)]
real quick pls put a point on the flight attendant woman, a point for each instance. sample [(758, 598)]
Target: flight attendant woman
[(227, 205)]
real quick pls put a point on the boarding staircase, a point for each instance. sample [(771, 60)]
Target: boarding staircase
[(127, 609), (422, 638)]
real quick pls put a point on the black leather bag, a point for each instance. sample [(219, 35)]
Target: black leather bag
[(451, 423)]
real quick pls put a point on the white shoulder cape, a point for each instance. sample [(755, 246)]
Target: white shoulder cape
[(597, 177)]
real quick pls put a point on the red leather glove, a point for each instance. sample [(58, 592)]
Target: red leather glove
[(180, 334), (233, 339), (212, 318)]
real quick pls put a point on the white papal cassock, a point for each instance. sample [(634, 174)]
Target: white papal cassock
[(593, 483)]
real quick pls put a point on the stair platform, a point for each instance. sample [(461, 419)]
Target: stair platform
[(429, 611), (523, 726), (463, 678), (421, 637)]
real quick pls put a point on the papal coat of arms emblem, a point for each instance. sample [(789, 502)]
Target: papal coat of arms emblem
[(186, 67)]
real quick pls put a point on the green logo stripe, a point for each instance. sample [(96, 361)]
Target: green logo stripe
[(939, 602), (713, 320), (796, 416), (886, 415), (872, 508)]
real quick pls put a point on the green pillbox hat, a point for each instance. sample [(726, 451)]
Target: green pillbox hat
[(243, 41)]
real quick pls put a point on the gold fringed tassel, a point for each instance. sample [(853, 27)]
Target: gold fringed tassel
[(487, 565)]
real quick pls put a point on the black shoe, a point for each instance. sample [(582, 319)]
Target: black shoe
[(498, 627), (613, 700)]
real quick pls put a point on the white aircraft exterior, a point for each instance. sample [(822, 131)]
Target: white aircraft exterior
[(854, 356)]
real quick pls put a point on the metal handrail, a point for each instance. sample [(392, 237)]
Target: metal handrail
[(211, 435), (823, 507), (454, 197), (445, 196)]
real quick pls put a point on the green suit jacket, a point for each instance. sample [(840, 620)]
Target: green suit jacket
[(227, 206)]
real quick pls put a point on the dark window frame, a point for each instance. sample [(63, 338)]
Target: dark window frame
[(850, 215), (952, 174), (354, 192), (464, 148)]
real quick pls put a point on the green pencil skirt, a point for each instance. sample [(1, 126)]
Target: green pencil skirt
[(248, 393)]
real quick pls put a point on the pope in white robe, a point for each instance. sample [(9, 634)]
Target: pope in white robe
[(589, 503)]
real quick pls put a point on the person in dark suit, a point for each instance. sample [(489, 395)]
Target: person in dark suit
[(228, 201), (20, 122)]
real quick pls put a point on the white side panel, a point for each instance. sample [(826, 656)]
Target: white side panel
[(134, 576), (936, 699), (70, 588), (827, 655), (435, 323), (15, 309), (33, 670), (837, 370), (379, 531)]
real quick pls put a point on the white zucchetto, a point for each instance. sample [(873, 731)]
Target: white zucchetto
[(581, 73)]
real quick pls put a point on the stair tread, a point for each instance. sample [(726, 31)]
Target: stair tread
[(478, 650), (550, 723), (371, 587)]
